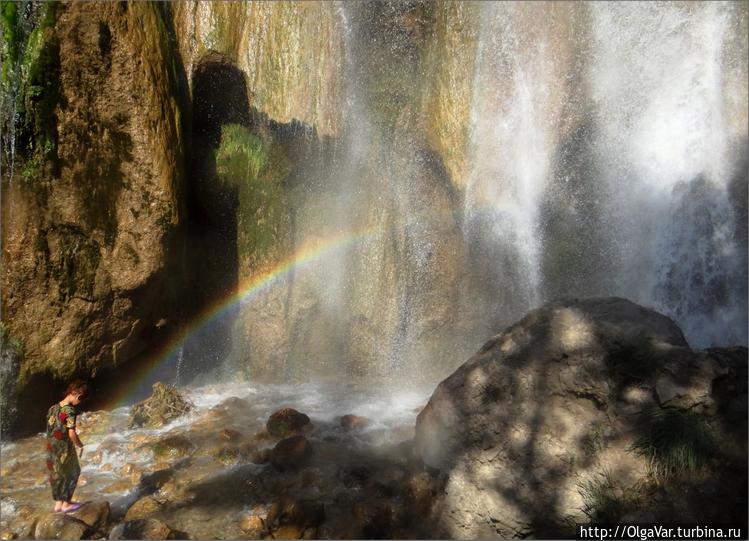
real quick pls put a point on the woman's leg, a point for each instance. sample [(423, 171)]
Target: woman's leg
[(71, 471)]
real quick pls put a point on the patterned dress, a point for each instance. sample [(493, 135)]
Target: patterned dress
[(62, 460)]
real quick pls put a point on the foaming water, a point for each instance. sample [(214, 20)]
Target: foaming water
[(115, 457)]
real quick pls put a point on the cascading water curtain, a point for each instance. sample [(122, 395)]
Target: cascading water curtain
[(518, 84), (660, 81), (608, 157)]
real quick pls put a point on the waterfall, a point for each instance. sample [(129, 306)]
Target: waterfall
[(180, 361), (603, 156), (524, 99), (657, 81), (604, 160)]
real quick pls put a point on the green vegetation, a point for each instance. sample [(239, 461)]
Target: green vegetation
[(257, 170), (9, 21), (606, 501), (29, 84), (40, 73), (675, 441)]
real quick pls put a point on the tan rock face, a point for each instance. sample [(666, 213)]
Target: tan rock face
[(88, 242)]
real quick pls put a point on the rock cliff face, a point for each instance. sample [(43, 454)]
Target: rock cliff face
[(573, 412), (159, 148), (91, 256)]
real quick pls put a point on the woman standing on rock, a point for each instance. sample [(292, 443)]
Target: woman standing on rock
[(62, 459)]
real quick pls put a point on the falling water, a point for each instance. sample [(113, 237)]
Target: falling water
[(603, 157), (180, 361), (520, 79), (604, 160), (658, 83)]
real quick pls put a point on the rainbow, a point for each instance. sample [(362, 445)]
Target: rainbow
[(245, 291)]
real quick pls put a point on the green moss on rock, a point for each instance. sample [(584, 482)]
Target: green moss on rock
[(9, 21), (257, 169), (30, 82)]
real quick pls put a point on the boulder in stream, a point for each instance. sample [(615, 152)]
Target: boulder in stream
[(164, 405), (95, 514), (352, 422), (172, 447), (290, 453), (286, 422), (142, 508), (61, 526)]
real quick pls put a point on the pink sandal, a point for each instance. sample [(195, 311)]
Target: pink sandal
[(73, 507)]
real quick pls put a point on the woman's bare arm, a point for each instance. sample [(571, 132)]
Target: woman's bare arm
[(74, 437)]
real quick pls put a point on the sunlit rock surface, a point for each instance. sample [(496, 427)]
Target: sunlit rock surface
[(91, 199)]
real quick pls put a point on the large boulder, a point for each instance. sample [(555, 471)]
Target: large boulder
[(547, 416)]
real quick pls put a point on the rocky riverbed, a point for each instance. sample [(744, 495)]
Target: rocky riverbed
[(336, 463)]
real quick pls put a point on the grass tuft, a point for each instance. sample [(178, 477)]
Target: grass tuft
[(675, 441), (604, 500)]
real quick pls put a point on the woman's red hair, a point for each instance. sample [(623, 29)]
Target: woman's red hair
[(77, 386)]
